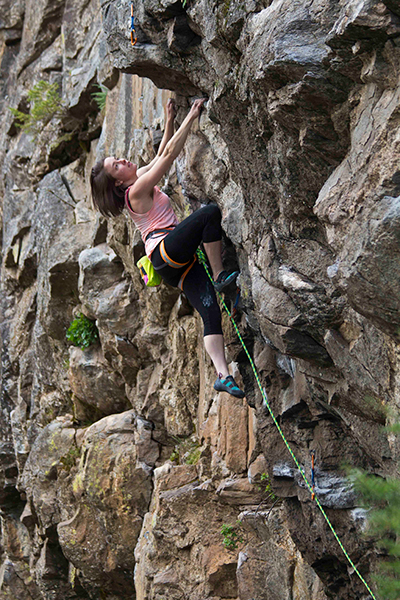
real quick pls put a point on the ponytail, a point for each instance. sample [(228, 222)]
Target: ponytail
[(107, 197)]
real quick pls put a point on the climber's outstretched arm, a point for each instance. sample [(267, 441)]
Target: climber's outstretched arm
[(143, 187), (170, 114)]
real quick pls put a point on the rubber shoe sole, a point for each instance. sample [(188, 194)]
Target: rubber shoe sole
[(228, 385), (220, 285)]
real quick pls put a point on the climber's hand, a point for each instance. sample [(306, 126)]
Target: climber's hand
[(197, 106), (171, 109)]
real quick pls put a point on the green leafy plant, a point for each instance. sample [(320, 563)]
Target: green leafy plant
[(100, 97), (82, 332), (187, 450), (44, 104), (267, 489), (193, 456), (232, 535), (382, 498), (174, 456)]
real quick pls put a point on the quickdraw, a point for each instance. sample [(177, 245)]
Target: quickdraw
[(236, 303), (133, 30), (312, 474)]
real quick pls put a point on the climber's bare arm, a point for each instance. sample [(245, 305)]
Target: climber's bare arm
[(170, 113), (141, 192)]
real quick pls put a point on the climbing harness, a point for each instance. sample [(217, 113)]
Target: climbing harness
[(313, 474), (150, 274), (158, 232), (133, 30), (175, 265), (168, 260), (182, 279), (202, 260)]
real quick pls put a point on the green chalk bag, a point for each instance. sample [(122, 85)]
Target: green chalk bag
[(148, 272)]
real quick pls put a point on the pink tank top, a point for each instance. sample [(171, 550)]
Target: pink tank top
[(160, 216)]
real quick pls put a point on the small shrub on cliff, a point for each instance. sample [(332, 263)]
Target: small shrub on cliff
[(100, 97), (44, 104), (268, 488), (193, 456), (187, 451), (232, 535), (82, 332), (382, 497)]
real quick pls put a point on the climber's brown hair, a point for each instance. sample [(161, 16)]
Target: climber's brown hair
[(107, 197)]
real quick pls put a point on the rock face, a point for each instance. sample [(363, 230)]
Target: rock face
[(119, 464)]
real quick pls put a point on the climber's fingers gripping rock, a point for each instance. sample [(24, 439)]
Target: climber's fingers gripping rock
[(197, 107)]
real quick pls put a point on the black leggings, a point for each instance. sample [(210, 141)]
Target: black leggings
[(204, 225)]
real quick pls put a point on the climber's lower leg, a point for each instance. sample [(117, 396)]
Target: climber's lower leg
[(215, 347), (214, 254)]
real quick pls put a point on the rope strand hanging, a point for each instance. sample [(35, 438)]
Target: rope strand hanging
[(311, 487)]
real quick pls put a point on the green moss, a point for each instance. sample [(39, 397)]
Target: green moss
[(174, 456), (379, 408), (69, 460), (72, 575), (226, 6), (52, 444)]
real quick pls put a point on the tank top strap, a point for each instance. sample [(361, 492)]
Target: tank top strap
[(127, 197)]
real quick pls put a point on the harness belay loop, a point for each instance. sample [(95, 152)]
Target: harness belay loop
[(133, 30)]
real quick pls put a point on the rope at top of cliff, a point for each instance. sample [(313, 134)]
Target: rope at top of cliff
[(202, 259), (133, 30)]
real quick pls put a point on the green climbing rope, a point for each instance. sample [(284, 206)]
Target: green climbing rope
[(202, 260)]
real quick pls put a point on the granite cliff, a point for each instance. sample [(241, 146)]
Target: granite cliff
[(119, 464)]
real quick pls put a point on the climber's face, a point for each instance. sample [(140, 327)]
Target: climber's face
[(123, 171)]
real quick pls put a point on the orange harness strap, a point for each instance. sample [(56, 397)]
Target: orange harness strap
[(180, 284), (176, 265), (168, 260)]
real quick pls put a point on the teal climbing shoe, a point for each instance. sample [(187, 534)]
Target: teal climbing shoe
[(224, 279), (229, 385)]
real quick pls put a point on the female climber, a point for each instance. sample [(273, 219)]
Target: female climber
[(171, 246)]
